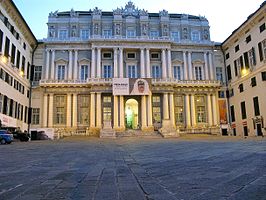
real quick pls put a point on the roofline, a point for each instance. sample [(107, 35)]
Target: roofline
[(20, 15), (248, 18)]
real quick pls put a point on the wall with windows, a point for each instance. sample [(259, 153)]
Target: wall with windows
[(245, 58)]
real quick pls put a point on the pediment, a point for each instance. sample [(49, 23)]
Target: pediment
[(198, 61), (84, 60), (177, 61), (61, 60)]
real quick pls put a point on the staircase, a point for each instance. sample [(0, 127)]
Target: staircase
[(139, 133)]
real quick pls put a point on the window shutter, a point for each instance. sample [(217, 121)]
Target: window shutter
[(254, 55), (241, 62)]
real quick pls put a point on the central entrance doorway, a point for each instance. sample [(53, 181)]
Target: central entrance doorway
[(131, 110)]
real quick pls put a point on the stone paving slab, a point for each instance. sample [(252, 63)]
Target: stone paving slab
[(83, 168)]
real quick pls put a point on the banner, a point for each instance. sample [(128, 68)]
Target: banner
[(131, 86), (222, 111)]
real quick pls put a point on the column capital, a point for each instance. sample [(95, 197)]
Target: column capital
[(92, 92), (148, 49), (47, 50), (121, 48), (93, 48), (51, 94)]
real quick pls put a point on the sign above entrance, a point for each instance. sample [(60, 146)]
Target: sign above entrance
[(131, 86)]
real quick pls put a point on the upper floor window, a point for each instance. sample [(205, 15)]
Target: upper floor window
[(219, 74), (241, 87), (107, 55), (131, 33), (262, 50), (262, 27), (253, 82), (248, 39), (263, 76), (62, 34), (177, 72), (107, 71), (37, 73), (35, 115), (156, 71), (198, 72), (175, 36), (232, 111), (85, 34), (132, 71), (195, 36), (107, 33), (84, 71), (229, 74), (131, 55), (154, 56), (256, 106), (236, 48), (60, 72), (227, 56), (154, 34)]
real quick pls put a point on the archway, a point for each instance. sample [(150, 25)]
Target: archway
[(131, 111)]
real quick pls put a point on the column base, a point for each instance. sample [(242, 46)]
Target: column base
[(119, 128), (147, 129), (168, 129)]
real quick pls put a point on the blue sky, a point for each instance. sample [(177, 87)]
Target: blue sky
[(224, 15)]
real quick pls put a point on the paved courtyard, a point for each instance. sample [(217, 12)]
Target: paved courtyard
[(134, 169)]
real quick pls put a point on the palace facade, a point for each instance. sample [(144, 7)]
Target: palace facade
[(16, 46), (245, 61), (128, 70)]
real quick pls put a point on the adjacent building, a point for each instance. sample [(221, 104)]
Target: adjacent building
[(128, 69), (16, 46), (245, 61)]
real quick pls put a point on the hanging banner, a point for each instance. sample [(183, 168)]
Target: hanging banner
[(222, 111), (131, 86)]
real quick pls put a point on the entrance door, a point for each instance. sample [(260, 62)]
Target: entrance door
[(131, 111), (259, 131), (245, 131)]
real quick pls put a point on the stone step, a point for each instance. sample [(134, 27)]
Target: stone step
[(138, 133)]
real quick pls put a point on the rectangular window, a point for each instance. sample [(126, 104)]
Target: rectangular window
[(62, 34), (131, 33), (241, 87), (236, 48), (107, 55), (156, 109), (248, 39), (60, 109), (227, 56), (23, 64), (200, 104), (175, 36), (13, 54), (253, 82), (60, 72), (262, 50), (263, 76), (198, 72), (195, 36), (156, 71), (229, 75), (262, 28), (154, 34), (1, 103), (243, 110), (107, 33), (84, 102), (1, 40), (256, 106), (179, 109), (37, 73), (7, 44), (85, 34), (84, 72), (132, 71), (131, 55), (177, 72), (35, 116), (18, 59), (232, 109), (154, 56), (221, 94), (107, 71)]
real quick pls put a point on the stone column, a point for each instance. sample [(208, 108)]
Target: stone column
[(47, 64), (69, 113), (99, 66), (169, 61), (121, 64), (193, 117), (185, 66), (70, 65), (93, 62), (44, 112), (211, 66), (190, 70), (53, 65), (150, 122), (209, 108), (142, 65), (115, 63), (187, 111), (165, 106), (76, 65), (206, 66), (148, 65), (116, 112), (172, 109), (99, 110), (143, 112), (75, 110), (51, 110), (92, 110), (122, 112), (164, 72), (214, 109)]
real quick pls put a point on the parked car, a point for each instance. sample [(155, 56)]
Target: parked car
[(22, 136), (5, 137)]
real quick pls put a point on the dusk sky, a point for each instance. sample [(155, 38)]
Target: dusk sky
[(224, 16)]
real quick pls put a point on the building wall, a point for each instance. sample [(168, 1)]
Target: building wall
[(14, 67), (247, 37)]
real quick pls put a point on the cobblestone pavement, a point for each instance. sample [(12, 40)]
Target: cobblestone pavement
[(134, 169)]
